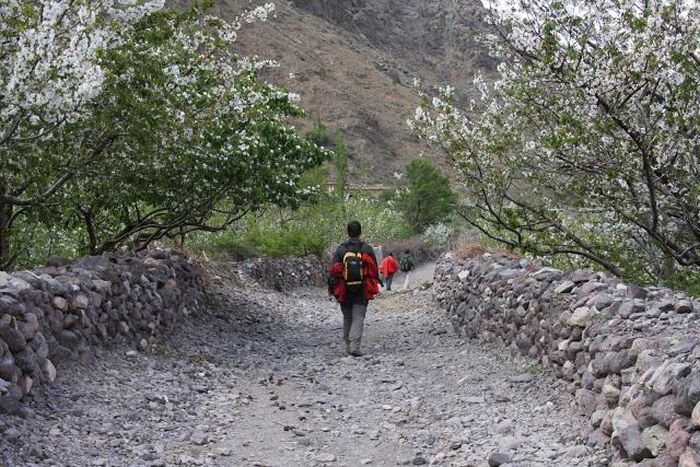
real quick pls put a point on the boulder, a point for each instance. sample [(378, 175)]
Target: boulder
[(695, 416), (688, 393), (580, 317), (655, 439), (628, 436), (678, 438), (664, 410)]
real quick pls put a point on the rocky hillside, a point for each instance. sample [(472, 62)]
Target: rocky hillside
[(354, 62)]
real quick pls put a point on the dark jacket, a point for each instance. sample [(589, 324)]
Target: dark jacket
[(355, 294)]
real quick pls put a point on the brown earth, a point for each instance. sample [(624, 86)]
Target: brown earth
[(354, 61)]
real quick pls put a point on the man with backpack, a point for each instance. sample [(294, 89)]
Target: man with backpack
[(353, 282), (407, 264)]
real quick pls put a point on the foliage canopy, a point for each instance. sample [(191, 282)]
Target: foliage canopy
[(427, 199), (143, 123), (588, 144)]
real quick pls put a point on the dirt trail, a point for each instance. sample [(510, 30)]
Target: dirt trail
[(263, 382)]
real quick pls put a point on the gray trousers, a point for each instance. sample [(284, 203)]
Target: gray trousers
[(353, 322)]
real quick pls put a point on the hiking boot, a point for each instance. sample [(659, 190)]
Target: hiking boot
[(347, 347), (356, 353)]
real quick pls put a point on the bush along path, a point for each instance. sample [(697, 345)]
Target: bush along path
[(261, 380)]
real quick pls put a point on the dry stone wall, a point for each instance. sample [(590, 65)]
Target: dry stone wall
[(631, 354), (65, 310), (281, 274)]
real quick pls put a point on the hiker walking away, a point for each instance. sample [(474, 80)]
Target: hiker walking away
[(388, 268), (407, 264), (353, 281)]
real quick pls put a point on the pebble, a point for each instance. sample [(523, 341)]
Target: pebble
[(325, 457), (498, 458)]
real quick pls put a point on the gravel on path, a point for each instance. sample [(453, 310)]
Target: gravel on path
[(263, 381)]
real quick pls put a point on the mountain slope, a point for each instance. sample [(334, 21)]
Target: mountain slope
[(353, 63)]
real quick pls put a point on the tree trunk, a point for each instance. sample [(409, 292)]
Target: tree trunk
[(6, 210)]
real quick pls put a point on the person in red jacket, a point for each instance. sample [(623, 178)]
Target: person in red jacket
[(353, 281), (388, 268)]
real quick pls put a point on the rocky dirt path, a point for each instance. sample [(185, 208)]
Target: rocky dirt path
[(263, 382)]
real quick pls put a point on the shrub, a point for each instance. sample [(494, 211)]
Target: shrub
[(437, 235)]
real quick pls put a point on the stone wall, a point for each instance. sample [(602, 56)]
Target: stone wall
[(65, 310), (281, 274), (631, 354)]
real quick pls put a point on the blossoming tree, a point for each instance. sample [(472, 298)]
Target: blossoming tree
[(588, 142), (149, 125)]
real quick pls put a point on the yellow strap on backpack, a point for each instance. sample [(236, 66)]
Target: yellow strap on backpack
[(352, 254)]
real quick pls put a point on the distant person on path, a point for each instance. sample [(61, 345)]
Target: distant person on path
[(353, 281), (388, 268), (407, 264)]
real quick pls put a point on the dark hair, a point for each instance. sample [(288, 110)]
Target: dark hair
[(407, 251), (354, 229)]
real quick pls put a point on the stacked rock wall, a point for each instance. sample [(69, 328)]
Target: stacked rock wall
[(631, 354), (282, 274), (65, 311)]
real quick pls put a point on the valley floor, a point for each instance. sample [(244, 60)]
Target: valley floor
[(263, 381)]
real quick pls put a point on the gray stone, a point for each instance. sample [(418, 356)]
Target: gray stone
[(678, 438), (612, 395), (199, 439), (685, 306), (590, 287), (14, 338), (9, 402), (547, 273), (586, 399), (666, 377), (4, 279), (602, 301), (60, 303), (326, 458), (629, 308), (579, 317), (648, 359), (565, 287), (688, 393), (655, 439), (582, 275), (19, 284), (498, 458), (12, 434), (576, 452), (664, 410), (597, 418), (628, 435), (522, 378), (634, 291), (80, 302)]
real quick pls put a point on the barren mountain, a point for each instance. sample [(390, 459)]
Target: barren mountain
[(354, 62)]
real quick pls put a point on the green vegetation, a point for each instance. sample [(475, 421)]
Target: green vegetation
[(319, 135), (159, 131), (314, 228), (532, 368), (427, 198), (585, 148)]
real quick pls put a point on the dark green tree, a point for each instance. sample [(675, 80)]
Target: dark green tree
[(428, 198)]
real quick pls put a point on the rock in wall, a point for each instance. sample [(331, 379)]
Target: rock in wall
[(65, 311), (631, 354)]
